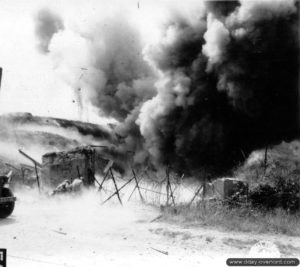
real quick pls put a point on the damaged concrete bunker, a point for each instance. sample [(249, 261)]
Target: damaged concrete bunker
[(82, 162)]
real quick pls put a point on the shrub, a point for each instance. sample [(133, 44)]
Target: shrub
[(285, 194), (264, 196), (288, 192)]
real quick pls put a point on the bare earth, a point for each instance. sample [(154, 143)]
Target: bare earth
[(81, 232)]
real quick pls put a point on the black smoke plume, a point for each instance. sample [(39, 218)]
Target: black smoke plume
[(221, 9), (210, 92), (229, 86)]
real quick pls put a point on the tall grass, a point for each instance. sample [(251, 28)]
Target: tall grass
[(243, 218)]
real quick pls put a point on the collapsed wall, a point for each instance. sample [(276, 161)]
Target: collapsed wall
[(81, 161)]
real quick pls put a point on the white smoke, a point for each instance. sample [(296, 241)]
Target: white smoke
[(216, 37)]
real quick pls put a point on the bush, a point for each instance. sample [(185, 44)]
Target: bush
[(244, 218), (239, 198), (285, 194), (288, 192), (264, 196)]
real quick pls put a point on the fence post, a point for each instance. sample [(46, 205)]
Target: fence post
[(104, 178), (37, 177), (117, 190), (169, 186), (197, 192), (136, 186)]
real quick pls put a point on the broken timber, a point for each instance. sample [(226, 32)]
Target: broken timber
[(116, 187), (169, 188), (160, 251), (136, 187), (104, 178), (196, 194), (36, 164), (118, 190), (31, 159)]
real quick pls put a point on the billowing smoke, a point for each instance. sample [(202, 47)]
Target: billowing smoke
[(47, 24), (229, 85), (124, 82), (111, 74), (215, 86), (221, 9)]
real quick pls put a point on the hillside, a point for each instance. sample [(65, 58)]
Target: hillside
[(39, 135)]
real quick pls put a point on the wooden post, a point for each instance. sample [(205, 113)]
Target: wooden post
[(30, 158), (78, 172), (36, 164), (37, 177), (104, 178), (23, 175), (137, 185), (117, 192), (266, 159), (169, 187), (203, 202), (97, 181), (131, 193), (197, 192), (172, 195), (204, 189), (116, 187), (0, 76)]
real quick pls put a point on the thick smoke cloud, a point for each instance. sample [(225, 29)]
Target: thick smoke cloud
[(110, 73), (221, 9), (127, 80), (47, 24), (212, 89), (229, 85)]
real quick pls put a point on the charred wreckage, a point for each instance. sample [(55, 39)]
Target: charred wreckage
[(68, 171)]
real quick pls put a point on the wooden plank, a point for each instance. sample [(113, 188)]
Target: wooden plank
[(116, 187), (137, 185), (118, 190), (37, 177), (197, 192), (104, 178), (31, 159), (108, 166), (169, 188)]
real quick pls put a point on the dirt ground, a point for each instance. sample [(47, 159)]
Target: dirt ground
[(68, 231)]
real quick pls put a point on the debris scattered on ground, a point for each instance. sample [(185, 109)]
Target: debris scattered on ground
[(156, 218), (160, 251), (59, 232)]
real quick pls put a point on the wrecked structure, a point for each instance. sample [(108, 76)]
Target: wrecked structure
[(226, 188), (82, 162)]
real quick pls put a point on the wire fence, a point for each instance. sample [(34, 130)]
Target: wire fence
[(167, 191)]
